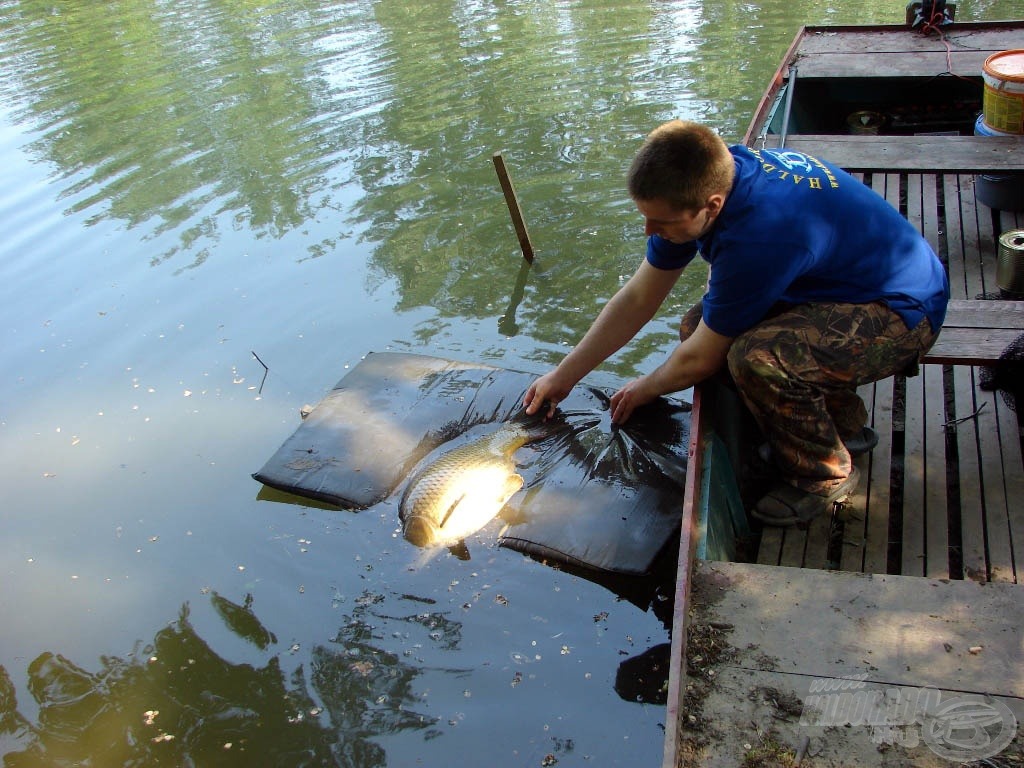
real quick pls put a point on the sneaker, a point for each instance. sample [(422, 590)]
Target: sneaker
[(786, 505)]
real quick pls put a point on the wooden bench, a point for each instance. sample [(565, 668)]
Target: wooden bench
[(895, 154), (977, 331)]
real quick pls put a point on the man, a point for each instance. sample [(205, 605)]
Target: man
[(817, 285)]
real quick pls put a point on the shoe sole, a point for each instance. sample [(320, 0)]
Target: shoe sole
[(828, 503)]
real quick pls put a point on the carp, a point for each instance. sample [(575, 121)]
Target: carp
[(463, 489)]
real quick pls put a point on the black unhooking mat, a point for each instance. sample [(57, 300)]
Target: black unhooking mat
[(595, 496)]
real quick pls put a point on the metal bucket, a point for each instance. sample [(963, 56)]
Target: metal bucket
[(1010, 266)]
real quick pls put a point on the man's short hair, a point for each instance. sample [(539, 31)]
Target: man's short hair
[(682, 163)]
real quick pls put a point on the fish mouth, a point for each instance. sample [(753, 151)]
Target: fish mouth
[(420, 531)]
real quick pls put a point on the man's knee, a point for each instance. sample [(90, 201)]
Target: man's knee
[(689, 322)]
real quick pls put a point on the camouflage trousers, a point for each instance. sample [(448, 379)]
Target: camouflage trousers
[(798, 371)]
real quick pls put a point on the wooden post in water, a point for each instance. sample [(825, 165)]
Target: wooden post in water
[(513, 207)]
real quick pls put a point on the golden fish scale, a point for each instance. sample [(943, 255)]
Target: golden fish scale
[(440, 484)]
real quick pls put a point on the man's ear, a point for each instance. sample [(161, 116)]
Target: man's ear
[(715, 203)]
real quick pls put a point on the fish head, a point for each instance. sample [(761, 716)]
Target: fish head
[(420, 530)]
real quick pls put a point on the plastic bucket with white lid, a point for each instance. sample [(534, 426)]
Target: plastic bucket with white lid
[(1003, 100)]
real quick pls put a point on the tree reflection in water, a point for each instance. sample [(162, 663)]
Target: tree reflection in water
[(178, 703)]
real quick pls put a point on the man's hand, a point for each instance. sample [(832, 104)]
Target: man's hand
[(630, 397), (549, 388)]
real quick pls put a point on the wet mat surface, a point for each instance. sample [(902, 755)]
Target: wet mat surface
[(594, 496)]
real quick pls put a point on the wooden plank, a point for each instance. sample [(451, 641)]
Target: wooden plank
[(818, 536), (980, 313), (972, 520), (885, 633), (1013, 478), (915, 463), (745, 705), (965, 283), (936, 517), (769, 550), (934, 513), (987, 248), (794, 543), (1004, 488), (851, 557), (995, 501), (973, 283), (945, 154), (858, 40), (915, 479), (971, 531), (916, 64), (894, 628), (876, 545), (974, 216), (970, 346)]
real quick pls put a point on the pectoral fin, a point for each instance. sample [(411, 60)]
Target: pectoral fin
[(512, 484)]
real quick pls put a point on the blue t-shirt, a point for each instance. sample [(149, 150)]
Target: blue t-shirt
[(798, 230)]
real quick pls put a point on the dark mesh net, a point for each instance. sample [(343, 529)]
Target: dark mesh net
[(1007, 375)]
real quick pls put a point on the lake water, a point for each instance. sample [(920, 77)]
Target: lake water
[(188, 183)]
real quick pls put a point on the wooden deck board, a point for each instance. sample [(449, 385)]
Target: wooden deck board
[(945, 154), (1000, 486), (876, 546), (937, 508), (914, 481), (898, 39), (817, 542), (972, 519), (971, 346), (897, 64), (988, 314), (770, 548), (893, 627), (1013, 475), (855, 528), (793, 546), (894, 635)]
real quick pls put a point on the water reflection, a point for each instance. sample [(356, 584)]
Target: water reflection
[(200, 117), (377, 121), (374, 120), (177, 702)]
